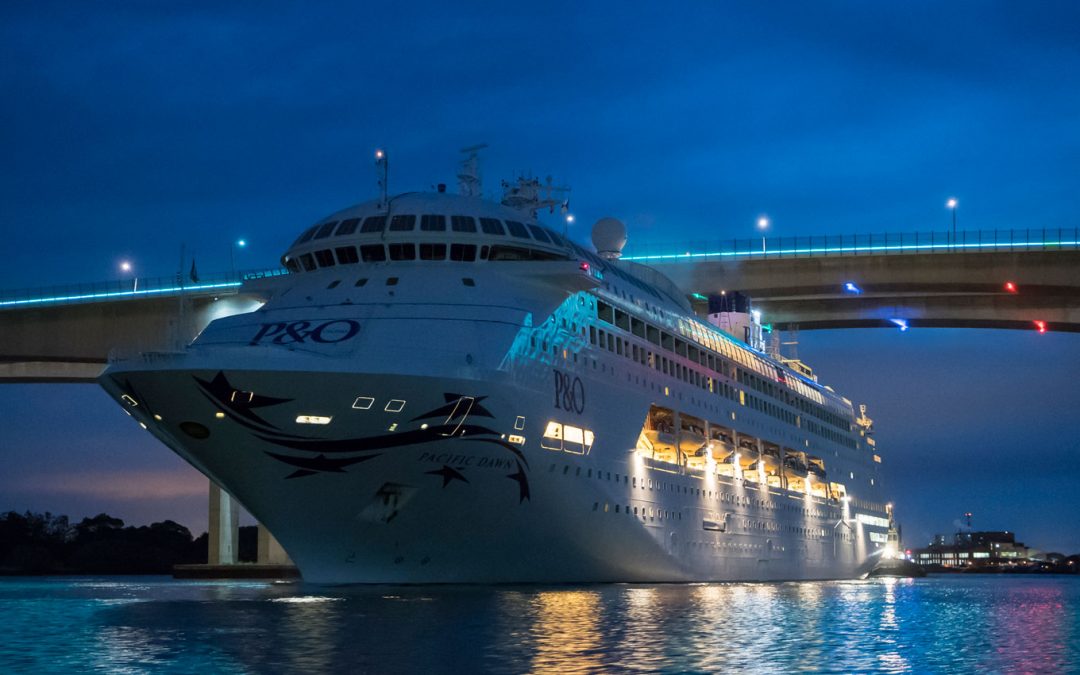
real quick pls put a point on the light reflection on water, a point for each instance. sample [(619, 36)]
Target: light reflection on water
[(946, 624)]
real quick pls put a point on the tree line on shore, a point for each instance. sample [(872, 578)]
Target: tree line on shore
[(43, 543)]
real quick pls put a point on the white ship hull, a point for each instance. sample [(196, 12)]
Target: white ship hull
[(476, 508), (484, 421)]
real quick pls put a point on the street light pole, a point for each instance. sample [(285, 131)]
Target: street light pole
[(762, 224), (232, 252), (952, 203), (126, 267)]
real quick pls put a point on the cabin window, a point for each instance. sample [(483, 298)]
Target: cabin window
[(432, 251), (325, 229), (360, 282), (539, 234), (325, 258), (667, 342), (374, 224), (402, 223), (391, 281), (463, 252), (605, 312), (463, 223), (372, 253), (622, 320), (347, 226), (492, 226), (517, 229), (308, 234), (469, 282), (308, 261), (292, 265), (402, 251), (334, 284), (346, 255), (680, 348), (637, 327), (433, 223), (653, 334)]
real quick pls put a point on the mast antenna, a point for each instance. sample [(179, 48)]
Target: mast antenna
[(469, 181), (382, 174)]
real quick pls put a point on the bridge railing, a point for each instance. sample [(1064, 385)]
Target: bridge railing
[(127, 289), (885, 243)]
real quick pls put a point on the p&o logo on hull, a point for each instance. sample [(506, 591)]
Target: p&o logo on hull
[(299, 332), (569, 392)]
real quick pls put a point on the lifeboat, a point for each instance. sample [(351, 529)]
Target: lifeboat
[(692, 436), (659, 431)]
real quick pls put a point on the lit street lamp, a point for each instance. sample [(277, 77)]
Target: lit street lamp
[(763, 224), (239, 243), (951, 204), (126, 267)]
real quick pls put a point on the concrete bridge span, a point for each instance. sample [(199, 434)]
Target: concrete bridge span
[(945, 290)]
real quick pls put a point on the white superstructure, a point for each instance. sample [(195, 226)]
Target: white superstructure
[(444, 390)]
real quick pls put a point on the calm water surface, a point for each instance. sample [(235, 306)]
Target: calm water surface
[(944, 624)]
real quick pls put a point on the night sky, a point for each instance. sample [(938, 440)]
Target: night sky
[(129, 131)]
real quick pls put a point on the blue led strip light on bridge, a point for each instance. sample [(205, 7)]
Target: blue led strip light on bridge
[(105, 295), (851, 249)]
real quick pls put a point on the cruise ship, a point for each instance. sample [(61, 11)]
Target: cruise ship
[(442, 389)]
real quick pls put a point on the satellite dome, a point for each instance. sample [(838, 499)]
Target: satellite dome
[(609, 237)]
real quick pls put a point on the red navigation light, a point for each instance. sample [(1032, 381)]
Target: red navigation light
[(1041, 326), (584, 266), (1010, 287)]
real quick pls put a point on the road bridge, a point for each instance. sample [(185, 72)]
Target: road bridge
[(1019, 279), (66, 333)]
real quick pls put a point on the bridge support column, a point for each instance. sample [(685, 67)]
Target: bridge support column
[(270, 551), (224, 532)]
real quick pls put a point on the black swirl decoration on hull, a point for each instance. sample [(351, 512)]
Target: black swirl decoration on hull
[(336, 455), (457, 405), (309, 466), (238, 404)]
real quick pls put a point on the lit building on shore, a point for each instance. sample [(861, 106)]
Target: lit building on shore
[(975, 549)]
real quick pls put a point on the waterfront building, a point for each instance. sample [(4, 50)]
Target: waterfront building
[(975, 549)]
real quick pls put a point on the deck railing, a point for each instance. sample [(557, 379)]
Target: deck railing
[(885, 243)]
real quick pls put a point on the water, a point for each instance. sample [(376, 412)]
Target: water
[(944, 624)]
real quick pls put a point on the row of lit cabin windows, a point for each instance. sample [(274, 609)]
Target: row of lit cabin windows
[(713, 362), (406, 251), (430, 223), (622, 347)]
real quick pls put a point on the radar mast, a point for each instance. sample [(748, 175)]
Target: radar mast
[(469, 181)]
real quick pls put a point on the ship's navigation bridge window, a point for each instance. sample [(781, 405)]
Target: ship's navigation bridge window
[(373, 224), (402, 223), (346, 255), (430, 223), (463, 223), (325, 230), (348, 226), (432, 251), (539, 234), (463, 252), (402, 251), (492, 226), (307, 235), (517, 229), (373, 253)]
